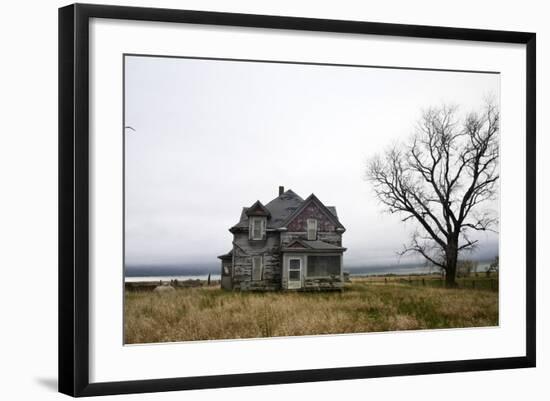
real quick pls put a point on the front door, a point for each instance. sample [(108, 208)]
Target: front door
[(294, 273)]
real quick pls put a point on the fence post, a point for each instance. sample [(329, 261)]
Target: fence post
[(423, 282), (473, 284)]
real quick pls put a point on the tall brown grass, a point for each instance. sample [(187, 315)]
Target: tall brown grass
[(209, 313)]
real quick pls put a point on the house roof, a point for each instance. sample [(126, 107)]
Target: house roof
[(283, 206), (312, 246), (332, 209), (313, 199), (257, 209), (228, 255), (280, 209)]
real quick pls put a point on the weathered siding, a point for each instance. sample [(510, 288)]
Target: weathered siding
[(334, 238), (323, 284), (244, 249), (226, 281), (312, 211)]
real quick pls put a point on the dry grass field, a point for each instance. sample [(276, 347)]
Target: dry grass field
[(367, 305)]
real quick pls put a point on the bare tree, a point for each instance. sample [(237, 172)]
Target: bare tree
[(442, 178)]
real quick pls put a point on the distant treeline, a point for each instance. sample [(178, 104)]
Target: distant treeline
[(169, 270), (401, 269)]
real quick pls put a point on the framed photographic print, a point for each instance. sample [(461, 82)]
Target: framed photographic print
[(295, 199)]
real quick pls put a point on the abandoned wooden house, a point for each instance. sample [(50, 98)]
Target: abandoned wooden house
[(288, 244)]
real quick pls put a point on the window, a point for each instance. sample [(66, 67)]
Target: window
[(323, 266), (257, 228), (257, 267), (311, 229), (294, 269)]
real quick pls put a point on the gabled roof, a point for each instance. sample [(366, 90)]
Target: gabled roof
[(282, 208), (228, 255), (313, 199), (257, 209)]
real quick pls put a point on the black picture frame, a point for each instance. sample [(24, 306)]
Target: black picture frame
[(74, 198)]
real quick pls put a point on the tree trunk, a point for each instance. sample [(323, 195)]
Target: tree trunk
[(452, 258)]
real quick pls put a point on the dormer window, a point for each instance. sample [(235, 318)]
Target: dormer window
[(257, 228), (311, 229), (257, 221)]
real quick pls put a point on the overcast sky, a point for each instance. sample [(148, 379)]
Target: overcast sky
[(213, 136)]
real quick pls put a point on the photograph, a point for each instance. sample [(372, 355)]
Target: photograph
[(275, 201), (269, 198)]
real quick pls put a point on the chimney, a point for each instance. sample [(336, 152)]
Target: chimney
[(281, 190)]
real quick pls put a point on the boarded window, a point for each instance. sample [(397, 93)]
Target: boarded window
[(257, 228), (257, 267), (311, 229), (318, 266), (294, 269)]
